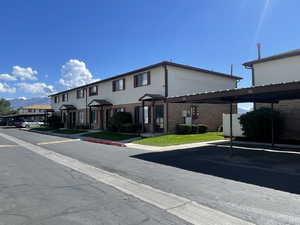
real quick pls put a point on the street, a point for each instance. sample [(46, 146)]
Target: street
[(36, 190)]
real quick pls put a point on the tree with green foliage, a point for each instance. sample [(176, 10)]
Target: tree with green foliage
[(5, 107)]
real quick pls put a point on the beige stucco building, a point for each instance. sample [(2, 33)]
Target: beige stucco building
[(143, 93)]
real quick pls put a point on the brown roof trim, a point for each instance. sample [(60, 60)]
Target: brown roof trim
[(151, 67), (292, 53)]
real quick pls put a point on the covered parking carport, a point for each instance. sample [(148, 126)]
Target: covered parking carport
[(272, 94)]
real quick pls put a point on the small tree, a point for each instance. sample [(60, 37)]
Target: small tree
[(257, 124), (5, 107)]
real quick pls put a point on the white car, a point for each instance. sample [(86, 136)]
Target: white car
[(28, 123)]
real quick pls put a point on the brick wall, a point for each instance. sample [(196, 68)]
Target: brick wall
[(290, 110)]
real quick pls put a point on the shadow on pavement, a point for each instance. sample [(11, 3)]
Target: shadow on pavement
[(268, 169)]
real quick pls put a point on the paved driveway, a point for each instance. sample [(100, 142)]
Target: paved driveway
[(258, 195)]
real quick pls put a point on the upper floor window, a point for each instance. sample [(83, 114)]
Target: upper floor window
[(93, 90), (142, 79), (80, 93), (40, 110), (30, 110), (64, 97), (118, 85), (56, 99)]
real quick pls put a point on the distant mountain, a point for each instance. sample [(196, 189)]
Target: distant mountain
[(21, 102), (243, 110)]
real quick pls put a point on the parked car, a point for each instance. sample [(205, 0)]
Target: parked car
[(27, 123)]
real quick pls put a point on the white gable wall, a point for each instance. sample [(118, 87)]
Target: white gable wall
[(183, 81), (277, 71)]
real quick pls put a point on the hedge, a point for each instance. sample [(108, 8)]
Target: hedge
[(191, 129), (257, 124)]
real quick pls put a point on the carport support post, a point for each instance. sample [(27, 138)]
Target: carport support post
[(231, 149), (272, 123)]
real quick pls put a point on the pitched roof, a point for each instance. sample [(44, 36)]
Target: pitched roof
[(163, 63), (274, 57), (37, 107), (99, 102)]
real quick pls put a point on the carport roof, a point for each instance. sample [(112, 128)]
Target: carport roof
[(271, 93)]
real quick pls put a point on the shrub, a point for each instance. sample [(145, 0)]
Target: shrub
[(120, 121), (55, 122), (258, 124), (191, 129)]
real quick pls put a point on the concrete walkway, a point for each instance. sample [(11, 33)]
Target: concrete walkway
[(174, 147)]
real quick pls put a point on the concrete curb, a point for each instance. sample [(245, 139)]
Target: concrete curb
[(102, 141)]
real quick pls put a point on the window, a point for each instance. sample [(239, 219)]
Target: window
[(146, 115), (81, 117), (80, 93), (56, 99), (30, 110), (194, 112), (118, 85), (64, 97), (119, 109), (142, 79), (139, 115), (93, 90), (93, 116), (40, 110)]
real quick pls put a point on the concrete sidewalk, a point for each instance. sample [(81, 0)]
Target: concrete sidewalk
[(174, 147)]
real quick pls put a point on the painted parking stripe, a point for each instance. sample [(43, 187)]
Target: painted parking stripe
[(57, 142), (183, 208), (7, 146)]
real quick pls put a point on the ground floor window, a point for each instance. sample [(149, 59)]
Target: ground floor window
[(138, 114), (81, 117), (119, 109), (93, 116)]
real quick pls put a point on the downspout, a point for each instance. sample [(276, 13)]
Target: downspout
[(166, 96), (86, 108)]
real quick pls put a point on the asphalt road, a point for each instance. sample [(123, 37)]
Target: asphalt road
[(36, 191), (256, 195)]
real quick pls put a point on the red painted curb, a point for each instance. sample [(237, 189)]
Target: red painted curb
[(105, 142)]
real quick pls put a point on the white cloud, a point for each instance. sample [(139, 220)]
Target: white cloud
[(24, 73), (7, 77), (74, 73), (22, 98), (4, 88), (37, 88)]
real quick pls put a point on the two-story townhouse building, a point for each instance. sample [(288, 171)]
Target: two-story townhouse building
[(143, 93), (280, 68)]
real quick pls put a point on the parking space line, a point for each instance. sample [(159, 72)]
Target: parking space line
[(7, 146), (57, 142)]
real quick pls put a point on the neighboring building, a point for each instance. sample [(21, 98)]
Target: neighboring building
[(34, 112), (93, 104), (280, 68), (34, 109)]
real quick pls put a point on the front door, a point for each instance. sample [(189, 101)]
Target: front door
[(159, 118)]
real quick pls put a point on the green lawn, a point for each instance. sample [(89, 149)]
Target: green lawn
[(69, 131), (177, 139), (112, 136)]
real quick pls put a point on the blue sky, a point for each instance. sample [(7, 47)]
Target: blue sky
[(104, 38)]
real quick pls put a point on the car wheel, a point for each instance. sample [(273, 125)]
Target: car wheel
[(27, 126)]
